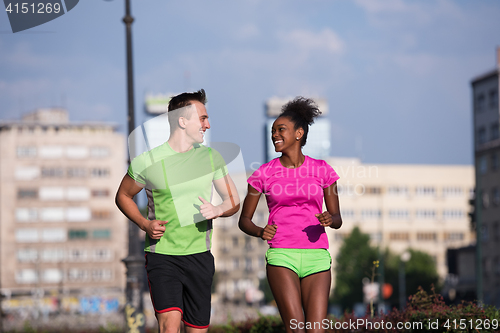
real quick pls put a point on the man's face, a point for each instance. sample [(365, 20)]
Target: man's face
[(198, 122)]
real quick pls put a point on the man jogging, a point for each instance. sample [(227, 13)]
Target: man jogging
[(178, 177)]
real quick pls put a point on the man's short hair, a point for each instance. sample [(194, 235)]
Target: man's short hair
[(186, 99), (179, 104)]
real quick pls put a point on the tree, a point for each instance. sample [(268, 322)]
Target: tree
[(354, 262)]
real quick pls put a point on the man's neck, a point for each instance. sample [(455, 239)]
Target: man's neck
[(179, 143)]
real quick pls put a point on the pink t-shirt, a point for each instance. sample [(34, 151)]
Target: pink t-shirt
[(294, 196)]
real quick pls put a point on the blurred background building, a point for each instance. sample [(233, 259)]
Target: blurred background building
[(486, 115), (61, 236)]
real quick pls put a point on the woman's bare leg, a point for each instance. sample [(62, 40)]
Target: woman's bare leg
[(315, 293)]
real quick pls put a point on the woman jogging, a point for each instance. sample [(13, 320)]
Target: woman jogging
[(295, 186)]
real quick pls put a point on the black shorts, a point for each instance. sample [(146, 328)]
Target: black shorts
[(182, 283)]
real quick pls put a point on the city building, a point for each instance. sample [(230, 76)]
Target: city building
[(486, 115), (422, 207), (60, 231), (318, 138)]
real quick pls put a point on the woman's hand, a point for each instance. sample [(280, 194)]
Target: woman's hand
[(268, 231), (325, 219)]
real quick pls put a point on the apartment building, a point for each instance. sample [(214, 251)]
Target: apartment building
[(60, 231), (486, 115)]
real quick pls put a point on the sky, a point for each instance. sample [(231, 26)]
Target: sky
[(396, 73)]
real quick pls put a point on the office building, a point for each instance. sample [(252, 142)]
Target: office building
[(60, 231)]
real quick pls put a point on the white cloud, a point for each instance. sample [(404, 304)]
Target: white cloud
[(324, 41)]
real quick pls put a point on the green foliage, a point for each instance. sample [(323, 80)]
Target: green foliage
[(264, 324), (354, 262)]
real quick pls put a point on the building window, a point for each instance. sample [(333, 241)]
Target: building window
[(99, 172), (78, 214), (76, 172), (51, 152), (399, 236), (52, 193), (425, 191), (339, 236), (76, 274), (27, 193), (27, 173), (495, 196), (397, 190), (101, 274), (493, 98), (52, 172), (494, 132), (78, 193), (26, 151), (26, 276), (376, 237), (101, 234), (494, 162), (481, 136), (52, 275), (27, 255), (248, 243), (235, 241), (453, 214), (77, 234), (101, 255), (373, 190), (26, 214), (248, 264), (236, 263), (54, 235), (480, 103), (483, 165), (453, 236), (52, 214), (452, 191), (426, 236), (101, 214), (52, 255), (77, 255), (99, 152), (77, 152), (100, 193), (347, 213), (27, 236), (399, 214), (425, 214), (370, 214)]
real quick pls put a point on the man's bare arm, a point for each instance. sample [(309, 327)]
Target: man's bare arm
[(125, 201)]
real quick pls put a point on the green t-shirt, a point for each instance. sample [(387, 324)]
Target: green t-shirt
[(173, 181)]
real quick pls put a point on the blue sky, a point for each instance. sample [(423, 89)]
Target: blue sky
[(396, 73)]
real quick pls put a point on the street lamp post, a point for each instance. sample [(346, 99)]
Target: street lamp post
[(134, 262), (402, 279)]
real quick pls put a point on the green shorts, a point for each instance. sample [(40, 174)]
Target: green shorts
[(303, 262)]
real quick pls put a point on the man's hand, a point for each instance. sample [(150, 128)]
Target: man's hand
[(325, 219), (208, 210), (268, 231), (155, 228)]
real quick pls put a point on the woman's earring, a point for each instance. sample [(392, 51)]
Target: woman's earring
[(297, 139)]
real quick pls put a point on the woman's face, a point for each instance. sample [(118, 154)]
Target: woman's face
[(284, 134)]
